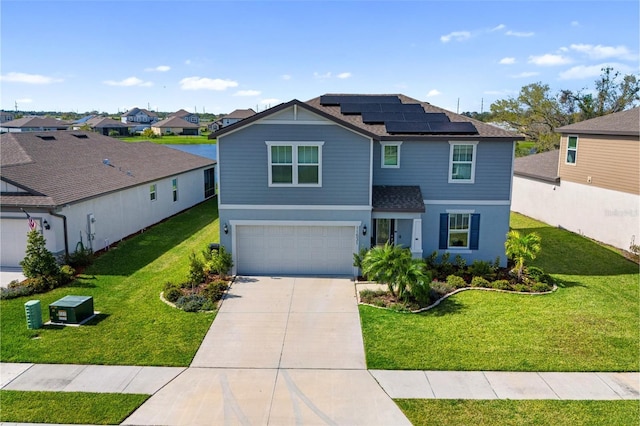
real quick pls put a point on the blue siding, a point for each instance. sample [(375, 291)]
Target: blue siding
[(244, 169), (494, 225), (427, 164)]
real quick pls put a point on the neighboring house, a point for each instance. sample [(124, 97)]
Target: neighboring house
[(33, 124), (103, 125), (591, 185), (6, 116), (139, 116), (304, 185), (187, 116), (89, 188), (229, 119), (176, 126)]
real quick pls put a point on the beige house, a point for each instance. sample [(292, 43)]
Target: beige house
[(591, 185), (177, 126)]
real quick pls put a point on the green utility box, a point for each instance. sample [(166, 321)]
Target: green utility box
[(71, 309), (34, 314)]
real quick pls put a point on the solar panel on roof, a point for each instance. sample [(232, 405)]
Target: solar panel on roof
[(402, 108), (381, 117), (410, 127), (407, 127), (328, 100), (437, 117), (457, 127), (357, 108)]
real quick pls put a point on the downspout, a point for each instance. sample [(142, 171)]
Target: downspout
[(64, 225)]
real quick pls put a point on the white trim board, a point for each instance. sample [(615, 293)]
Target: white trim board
[(353, 223), (291, 207), (470, 202)]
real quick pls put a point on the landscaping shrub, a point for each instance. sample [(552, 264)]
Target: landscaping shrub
[(445, 268), (38, 261), (534, 272), (460, 263), (15, 291), (80, 258), (215, 290), (522, 288), (370, 296), (196, 269), (540, 287), (483, 269), (421, 292), (172, 294), (432, 260), (66, 275), (456, 281), (221, 262), (480, 282), (437, 289), (359, 257), (194, 303), (501, 285)]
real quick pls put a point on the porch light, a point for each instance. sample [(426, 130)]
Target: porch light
[(46, 224), (364, 230), (225, 229)]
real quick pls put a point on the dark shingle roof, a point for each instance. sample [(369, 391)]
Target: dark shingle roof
[(68, 168), (543, 166), (175, 122), (397, 199), (241, 114), (36, 122), (623, 123), (102, 122)]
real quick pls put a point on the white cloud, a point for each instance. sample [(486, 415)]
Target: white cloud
[(588, 71), (433, 92), (247, 93), (286, 77), (498, 28), (271, 101), (525, 74), (20, 77), (24, 101), (575, 23), (322, 76), (456, 36), (128, 82), (519, 34), (549, 60), (159, 68), (344, 75), (507, 61), (187, 62), (204, 83), (602, 52)]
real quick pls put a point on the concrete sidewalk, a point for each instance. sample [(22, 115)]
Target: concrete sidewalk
[(396, 383)]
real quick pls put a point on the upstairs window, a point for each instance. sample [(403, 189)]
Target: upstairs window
[(390, 155), (462, 162), (295, 163), (572, 149)]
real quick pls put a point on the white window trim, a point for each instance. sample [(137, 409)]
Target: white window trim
[(294, 157), (154, 192), (459, 249), (382, 146), (452, 144), (566, 154)]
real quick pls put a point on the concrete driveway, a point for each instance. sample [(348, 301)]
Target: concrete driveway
[(281, 351), (9, 274)]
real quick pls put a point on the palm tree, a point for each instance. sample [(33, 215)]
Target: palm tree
[(522, 248), (394, 266)]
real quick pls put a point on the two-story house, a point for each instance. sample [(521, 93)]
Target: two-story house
[(304, 185), (6, 116), (186, 116), (139, 115), (232, 118), (591, 185)]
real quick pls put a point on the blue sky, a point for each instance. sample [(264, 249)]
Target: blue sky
[(216, 56)]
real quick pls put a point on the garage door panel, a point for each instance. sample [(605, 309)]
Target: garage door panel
[(299, 250), (14, 233)]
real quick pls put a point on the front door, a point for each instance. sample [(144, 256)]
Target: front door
[(384, 231)]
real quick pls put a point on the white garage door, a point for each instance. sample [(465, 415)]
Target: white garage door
[(295, 250), (13, 241)]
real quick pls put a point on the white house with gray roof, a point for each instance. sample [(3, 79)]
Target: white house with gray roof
[(83, 187)]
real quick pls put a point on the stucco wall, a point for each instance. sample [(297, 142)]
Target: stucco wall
[(611, 217)]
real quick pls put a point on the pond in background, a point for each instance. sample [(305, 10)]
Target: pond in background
[(207, 150)]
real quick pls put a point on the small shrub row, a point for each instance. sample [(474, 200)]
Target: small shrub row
[(38, 284)]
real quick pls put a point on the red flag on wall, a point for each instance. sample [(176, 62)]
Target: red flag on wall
[(32, 223)]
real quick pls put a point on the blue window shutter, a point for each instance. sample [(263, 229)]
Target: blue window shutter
[(475, 231), (444, 231)]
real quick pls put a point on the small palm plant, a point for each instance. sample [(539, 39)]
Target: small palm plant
[(394, 266), (522, 248)]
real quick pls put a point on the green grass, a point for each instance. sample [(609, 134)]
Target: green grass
[(68, 407), (134, 326), (516, 413), (169, 140), (589, 324)]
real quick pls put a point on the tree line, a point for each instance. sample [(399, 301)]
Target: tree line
[(536, 112)]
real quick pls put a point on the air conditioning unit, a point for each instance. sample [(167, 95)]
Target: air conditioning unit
[(71, 309)]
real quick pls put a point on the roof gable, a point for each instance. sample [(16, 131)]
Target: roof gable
[(175, 122), (619, 123)]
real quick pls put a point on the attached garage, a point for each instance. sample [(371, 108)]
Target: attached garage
[(295, 249), (13, 241)]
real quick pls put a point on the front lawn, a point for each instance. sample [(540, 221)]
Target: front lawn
[(68, 407), (509, 412), (134, 326), (589, 324)]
